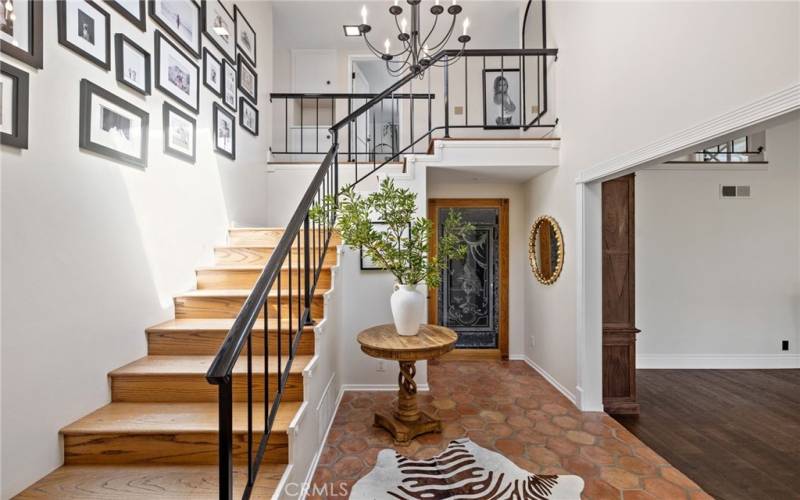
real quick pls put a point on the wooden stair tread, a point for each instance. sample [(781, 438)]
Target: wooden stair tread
[(216, 325), (166, 418), (165, 482), (198, 365), (239, 293), (249, 268)]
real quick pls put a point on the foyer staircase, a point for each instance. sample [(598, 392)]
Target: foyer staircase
[(158, 438)]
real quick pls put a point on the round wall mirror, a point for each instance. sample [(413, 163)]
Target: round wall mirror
[(546, 250)]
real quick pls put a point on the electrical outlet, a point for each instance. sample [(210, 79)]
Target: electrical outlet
[(381, 366), (784, 345)]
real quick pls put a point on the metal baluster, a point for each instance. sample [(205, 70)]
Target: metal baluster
[(286, 124), (226, 440), (523, 80), (316, 148), (447, 96), (250, 471), (307, 259), (502, 75), (411, 112), (279, 389), (291, 305), (430, 118), (466, 93), (301, 124)]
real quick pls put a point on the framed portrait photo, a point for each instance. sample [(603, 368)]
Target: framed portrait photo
[(180, 134), (212, 73), (176, 74), (133, 64), (248, 116), (224, 132), (21, 31), (248, 80), (85, 28), (229, 92), (245, 36), (132, 10), (14, 95), (181, 19), (112, 127), (219, 27), (502, 98)]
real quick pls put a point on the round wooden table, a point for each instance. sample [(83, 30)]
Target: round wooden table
[(407, 421)]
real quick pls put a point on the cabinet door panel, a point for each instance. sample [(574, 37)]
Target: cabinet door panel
[(314, 71)]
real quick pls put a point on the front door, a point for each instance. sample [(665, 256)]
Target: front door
[(472, 298)]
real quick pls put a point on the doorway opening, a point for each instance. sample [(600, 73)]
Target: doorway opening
[(378, 133)]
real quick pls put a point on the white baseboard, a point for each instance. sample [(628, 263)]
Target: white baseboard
[(550, 379), (379, 387), (717, 361)]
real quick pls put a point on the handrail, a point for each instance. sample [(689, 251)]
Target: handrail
[(354, 95)]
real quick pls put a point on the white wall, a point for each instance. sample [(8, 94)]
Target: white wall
[(630, 73), (93, 250), (717, 279)]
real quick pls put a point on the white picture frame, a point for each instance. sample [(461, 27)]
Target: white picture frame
[(177, 75)]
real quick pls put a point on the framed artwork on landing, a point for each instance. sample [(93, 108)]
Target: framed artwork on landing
[(132, 10), (85, 28), (245, 36), (21, 33), (181, 20), (229, 93), (502, 98), (133, 64), (248, 80), (248, 116), (177, 75), (224, 132), (212, 72), (219, 27), (180, 133), (14, 95), (111, 126)]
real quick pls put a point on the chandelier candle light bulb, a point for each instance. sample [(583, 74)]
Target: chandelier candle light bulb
[(364, 14), (403, 25), (466, 26), (386, 45)]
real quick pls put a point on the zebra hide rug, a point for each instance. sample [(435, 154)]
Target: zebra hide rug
[(463, 471)]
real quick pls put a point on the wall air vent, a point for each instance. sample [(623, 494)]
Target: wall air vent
[(734, 191)]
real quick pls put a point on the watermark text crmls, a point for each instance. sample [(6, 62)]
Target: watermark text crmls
[(326, 490)]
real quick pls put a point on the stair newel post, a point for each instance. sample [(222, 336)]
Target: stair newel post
[(307, 272), (446, 97), (226, 440), (336, 167)]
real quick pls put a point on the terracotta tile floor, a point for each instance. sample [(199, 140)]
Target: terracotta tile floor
[(506, 407)]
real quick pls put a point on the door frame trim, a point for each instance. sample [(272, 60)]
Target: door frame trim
[(433, 311)]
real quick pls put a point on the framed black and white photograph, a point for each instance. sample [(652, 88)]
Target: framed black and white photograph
[(21, 31), (181, 20), (248, 80), (245, 36), (176, 74), (132, 10), (133, 64), (180, 134), (502, 98), (111, 126), (368, 264), (85, 28), (212, 72), (248, 116), (219, 27), (229, 93), (14, 93), (224, 132)]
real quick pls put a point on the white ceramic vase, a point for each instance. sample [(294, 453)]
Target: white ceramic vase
[(408, 307)]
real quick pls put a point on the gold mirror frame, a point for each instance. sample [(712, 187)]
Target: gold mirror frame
[(532, 250)]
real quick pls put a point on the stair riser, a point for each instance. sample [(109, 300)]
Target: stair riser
[(222, 279), (195, 388), (258, 256), (203, 343), (229, 307), (271, 237), (168, 448)]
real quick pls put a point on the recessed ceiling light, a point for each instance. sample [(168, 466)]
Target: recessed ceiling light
[(351, 30)]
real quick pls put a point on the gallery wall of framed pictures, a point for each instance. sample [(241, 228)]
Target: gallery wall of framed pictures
[(192, 40)]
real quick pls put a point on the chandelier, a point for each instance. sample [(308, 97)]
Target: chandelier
[(415, 49)]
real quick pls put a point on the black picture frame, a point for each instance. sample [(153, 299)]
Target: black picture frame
[(229, 90), (139, 21), (243, 65), (193, 50), (210, 58), (168, 108), (34, 56), (159, 38), (18, 138), (231, 56), (217, 110), (515, 71), (366, 266), (62, 33), (88, 89), (241, 50), (119, 57), (243, 103)]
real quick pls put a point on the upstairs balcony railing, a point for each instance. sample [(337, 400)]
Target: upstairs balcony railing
[(282, 296)]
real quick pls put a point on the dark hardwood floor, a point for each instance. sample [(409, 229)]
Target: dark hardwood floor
[(736, 433)]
